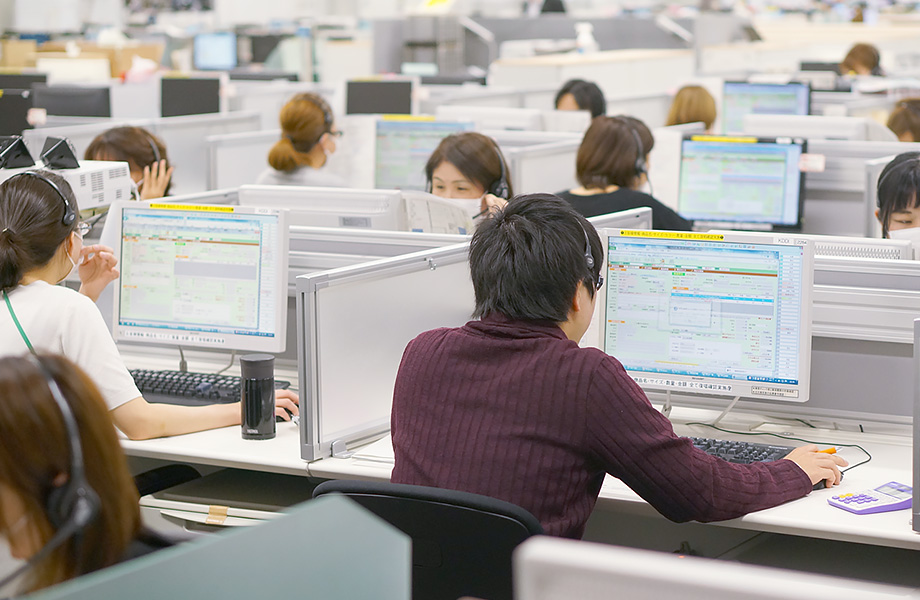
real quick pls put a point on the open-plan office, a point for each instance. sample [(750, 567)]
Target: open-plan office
[(344, 278)]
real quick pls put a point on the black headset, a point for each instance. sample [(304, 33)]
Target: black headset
[(153, 146), (73, 505), (640, 166), (500, 187), (589, 260), (323, 106), (70, 215)]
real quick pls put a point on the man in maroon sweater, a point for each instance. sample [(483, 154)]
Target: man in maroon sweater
[(511, 407)]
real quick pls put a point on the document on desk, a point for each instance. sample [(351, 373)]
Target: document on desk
[(380, 451)]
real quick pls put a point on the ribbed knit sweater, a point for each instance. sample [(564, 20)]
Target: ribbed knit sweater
[(516, 411)]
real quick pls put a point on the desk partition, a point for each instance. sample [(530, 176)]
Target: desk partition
[(353, 324), (324, 548), (237, 159)]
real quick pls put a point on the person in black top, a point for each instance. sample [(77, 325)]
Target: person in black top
[(612, 163)]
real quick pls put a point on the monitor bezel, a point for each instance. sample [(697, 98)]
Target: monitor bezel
[(692, 384), (228, 341), (725, 84), (780, 227)]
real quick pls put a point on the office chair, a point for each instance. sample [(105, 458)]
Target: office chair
[(461, 542)]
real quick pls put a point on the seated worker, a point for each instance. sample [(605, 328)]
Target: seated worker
[(898, 198), (307, 139), (470, 166), (511, 407), (692, 104), (578, 94), (611, 164), (145, 154), (904, 120), (862, 59), (40, 244), (48, 402)]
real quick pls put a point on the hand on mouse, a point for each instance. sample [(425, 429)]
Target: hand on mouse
[(286, 404), (819, 466)]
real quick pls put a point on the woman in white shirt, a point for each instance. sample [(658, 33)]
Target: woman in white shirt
[(307, 139), (41, 242)]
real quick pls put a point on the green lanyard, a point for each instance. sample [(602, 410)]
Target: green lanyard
[(25, 338)]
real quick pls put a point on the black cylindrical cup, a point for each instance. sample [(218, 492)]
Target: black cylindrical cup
[(257, 394)]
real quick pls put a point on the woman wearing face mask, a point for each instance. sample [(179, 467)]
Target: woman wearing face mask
[(40, 242), (612, 168), (308, 137), (145, 154), (470, 166), (898, 198)]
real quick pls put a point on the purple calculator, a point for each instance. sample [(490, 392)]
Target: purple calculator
[(890, 496)]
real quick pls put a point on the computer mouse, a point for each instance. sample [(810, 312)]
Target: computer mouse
[(292, 417), (822, 484)]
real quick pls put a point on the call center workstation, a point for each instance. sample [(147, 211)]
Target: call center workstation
[(781, 318)]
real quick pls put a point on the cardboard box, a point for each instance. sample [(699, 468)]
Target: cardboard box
[(120, 59), (17, 53)]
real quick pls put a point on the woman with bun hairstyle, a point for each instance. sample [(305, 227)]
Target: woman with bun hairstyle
[(62, 538), (307, 139), (145, 154), (40, 244)]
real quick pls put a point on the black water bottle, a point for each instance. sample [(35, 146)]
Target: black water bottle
[(257, 393)]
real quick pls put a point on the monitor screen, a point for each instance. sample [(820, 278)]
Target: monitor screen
[(744, 181), (742, 98), (378, 97), (72, 100), (713, 314), (403, 148), (14, 111), (215, 51), (21, 81), (189, 96), (205, 276)]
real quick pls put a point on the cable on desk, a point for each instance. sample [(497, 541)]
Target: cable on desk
[(797, 439), (232, 358)]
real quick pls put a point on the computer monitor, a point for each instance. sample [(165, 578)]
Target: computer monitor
[(203, 276), (189, 96), (741, 182), (493, 117), (403, 147), (262, 75), (379, 97), (741, 98), (214, 51), (264, 44), (21, 81), (330, 207), (711, 314), (14, 111), (73, 100), (814, 65)]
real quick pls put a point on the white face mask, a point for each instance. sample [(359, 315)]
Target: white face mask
[(911, 233)]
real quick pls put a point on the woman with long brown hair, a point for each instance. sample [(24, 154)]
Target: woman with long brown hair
[(308, 136), (145, 154), (68, 504)]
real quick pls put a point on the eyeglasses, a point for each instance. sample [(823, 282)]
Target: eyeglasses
[(83, 228), (336, 133)]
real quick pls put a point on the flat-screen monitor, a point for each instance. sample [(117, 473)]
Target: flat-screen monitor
[(403, 148), (742, 98), (712, 314), (189, 96), (814, 65), (214, 51), (14, 111), (741, 182), (21, 81), (72, 100), (264, 44), (330, 207), (379, 97), (203, 276)]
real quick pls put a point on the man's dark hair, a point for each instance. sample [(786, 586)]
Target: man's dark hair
[(527, 260), (588, 96)]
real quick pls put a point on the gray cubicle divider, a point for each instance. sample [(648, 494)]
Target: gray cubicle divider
[(324, 548), (915, 521), (862, 346), (184, 138), (238, 159), (353, 324), (837, 201), (268, 97)]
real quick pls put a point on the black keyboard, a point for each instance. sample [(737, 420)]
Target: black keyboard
[(741, 452), (190, 389)]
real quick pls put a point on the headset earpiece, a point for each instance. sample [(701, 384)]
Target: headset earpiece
[(589, 257), (640, 166), (500, 187), (153, 146)]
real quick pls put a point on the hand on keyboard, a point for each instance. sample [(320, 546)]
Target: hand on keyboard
[(819, 466)]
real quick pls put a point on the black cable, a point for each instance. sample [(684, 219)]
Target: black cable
[(797, 439)]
